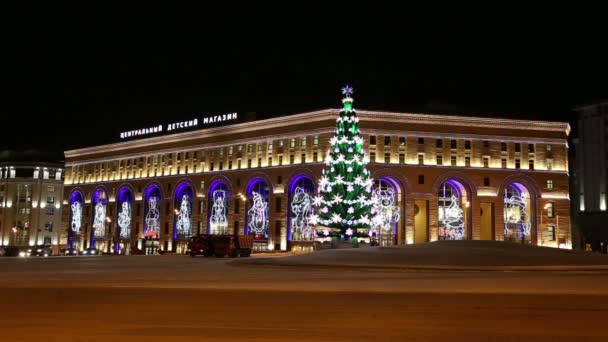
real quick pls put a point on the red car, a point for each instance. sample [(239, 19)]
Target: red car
[(220, 245)]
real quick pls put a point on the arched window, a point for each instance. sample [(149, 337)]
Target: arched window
[(99, 218), (300, 209), (257, 209), (218, 208), (124, 213), (74, 230), (183, 211), (453, 205), (152, 200), (518, 226), (385, 211)]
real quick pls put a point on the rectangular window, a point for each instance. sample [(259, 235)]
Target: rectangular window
[(201, 207), (551, 233), (549, 184), (549, 148), (315, 156), (259, 162), (549, 164), (238, 164), (530, 148), (166, 227), (269, 161), (230, 150), (277, 204), (221, 166), (503, 163), (303, 158), (531, 164), (453, 160), (439, 159), (270, 147), (292, 143), (240, 148), (486, 161), (486, 181), (467, 144), (420, 141), (237, 206), (453, 144), (387, 158), (372, 140), (518, 147), (249, 163), (280, 143), (315, 140), (260, 147), (420, 158), (249, 148), (50, 199), (50, 188), (467, 161), (439, 143), (486, 143), (230, 165), (291, 159), (401, 158), (549, 209), (401, 141), (420, 179), (503, 147), (303, 141), (372, 157), (280, 160), (517, 163), (210, 166), (387, 140)]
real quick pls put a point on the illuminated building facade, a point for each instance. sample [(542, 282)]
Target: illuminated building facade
[(435, 177), (31, 190)]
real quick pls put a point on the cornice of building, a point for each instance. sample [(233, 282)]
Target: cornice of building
[(324, 115)]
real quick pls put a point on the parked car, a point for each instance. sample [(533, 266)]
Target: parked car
[(90, 251), (40, 250)]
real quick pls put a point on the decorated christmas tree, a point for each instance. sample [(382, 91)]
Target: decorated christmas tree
[(344, 199)]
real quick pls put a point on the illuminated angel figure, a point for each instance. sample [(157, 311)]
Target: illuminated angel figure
[(451, 220), (100, 219), (384, 208), (76, 217), (184, 218), (301, 208), (258, 214), (516, 215), (219, 222), (152, 217), (124, 219)]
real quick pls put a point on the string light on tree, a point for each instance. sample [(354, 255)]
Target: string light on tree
[(345, 189)]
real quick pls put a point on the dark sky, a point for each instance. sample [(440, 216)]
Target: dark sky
[(89, 73)]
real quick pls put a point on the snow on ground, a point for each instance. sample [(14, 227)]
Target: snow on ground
[(442, 254)]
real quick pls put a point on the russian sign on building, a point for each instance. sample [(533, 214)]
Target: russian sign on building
[(204, 121)]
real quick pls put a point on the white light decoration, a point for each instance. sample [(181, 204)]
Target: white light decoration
[(152, 217), (385, 212), (76, 217), (218, 219), (184, 217), (349, 232), (124, 220), (451, 223), (99, 222), (258, 214), (517, 220), (301, 219), (350, 188)]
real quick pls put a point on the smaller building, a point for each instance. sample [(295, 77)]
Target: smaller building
[(31, 189), (590, 174)]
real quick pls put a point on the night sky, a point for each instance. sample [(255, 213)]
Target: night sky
[(89, 73)]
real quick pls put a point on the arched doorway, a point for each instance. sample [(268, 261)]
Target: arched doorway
[(453, 210), (300, 209), (152, 201), (182, 227), (385, 212), (258, 220), (218, 208), (75, 228), (517, 213), (124, 216), (99, 220)]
